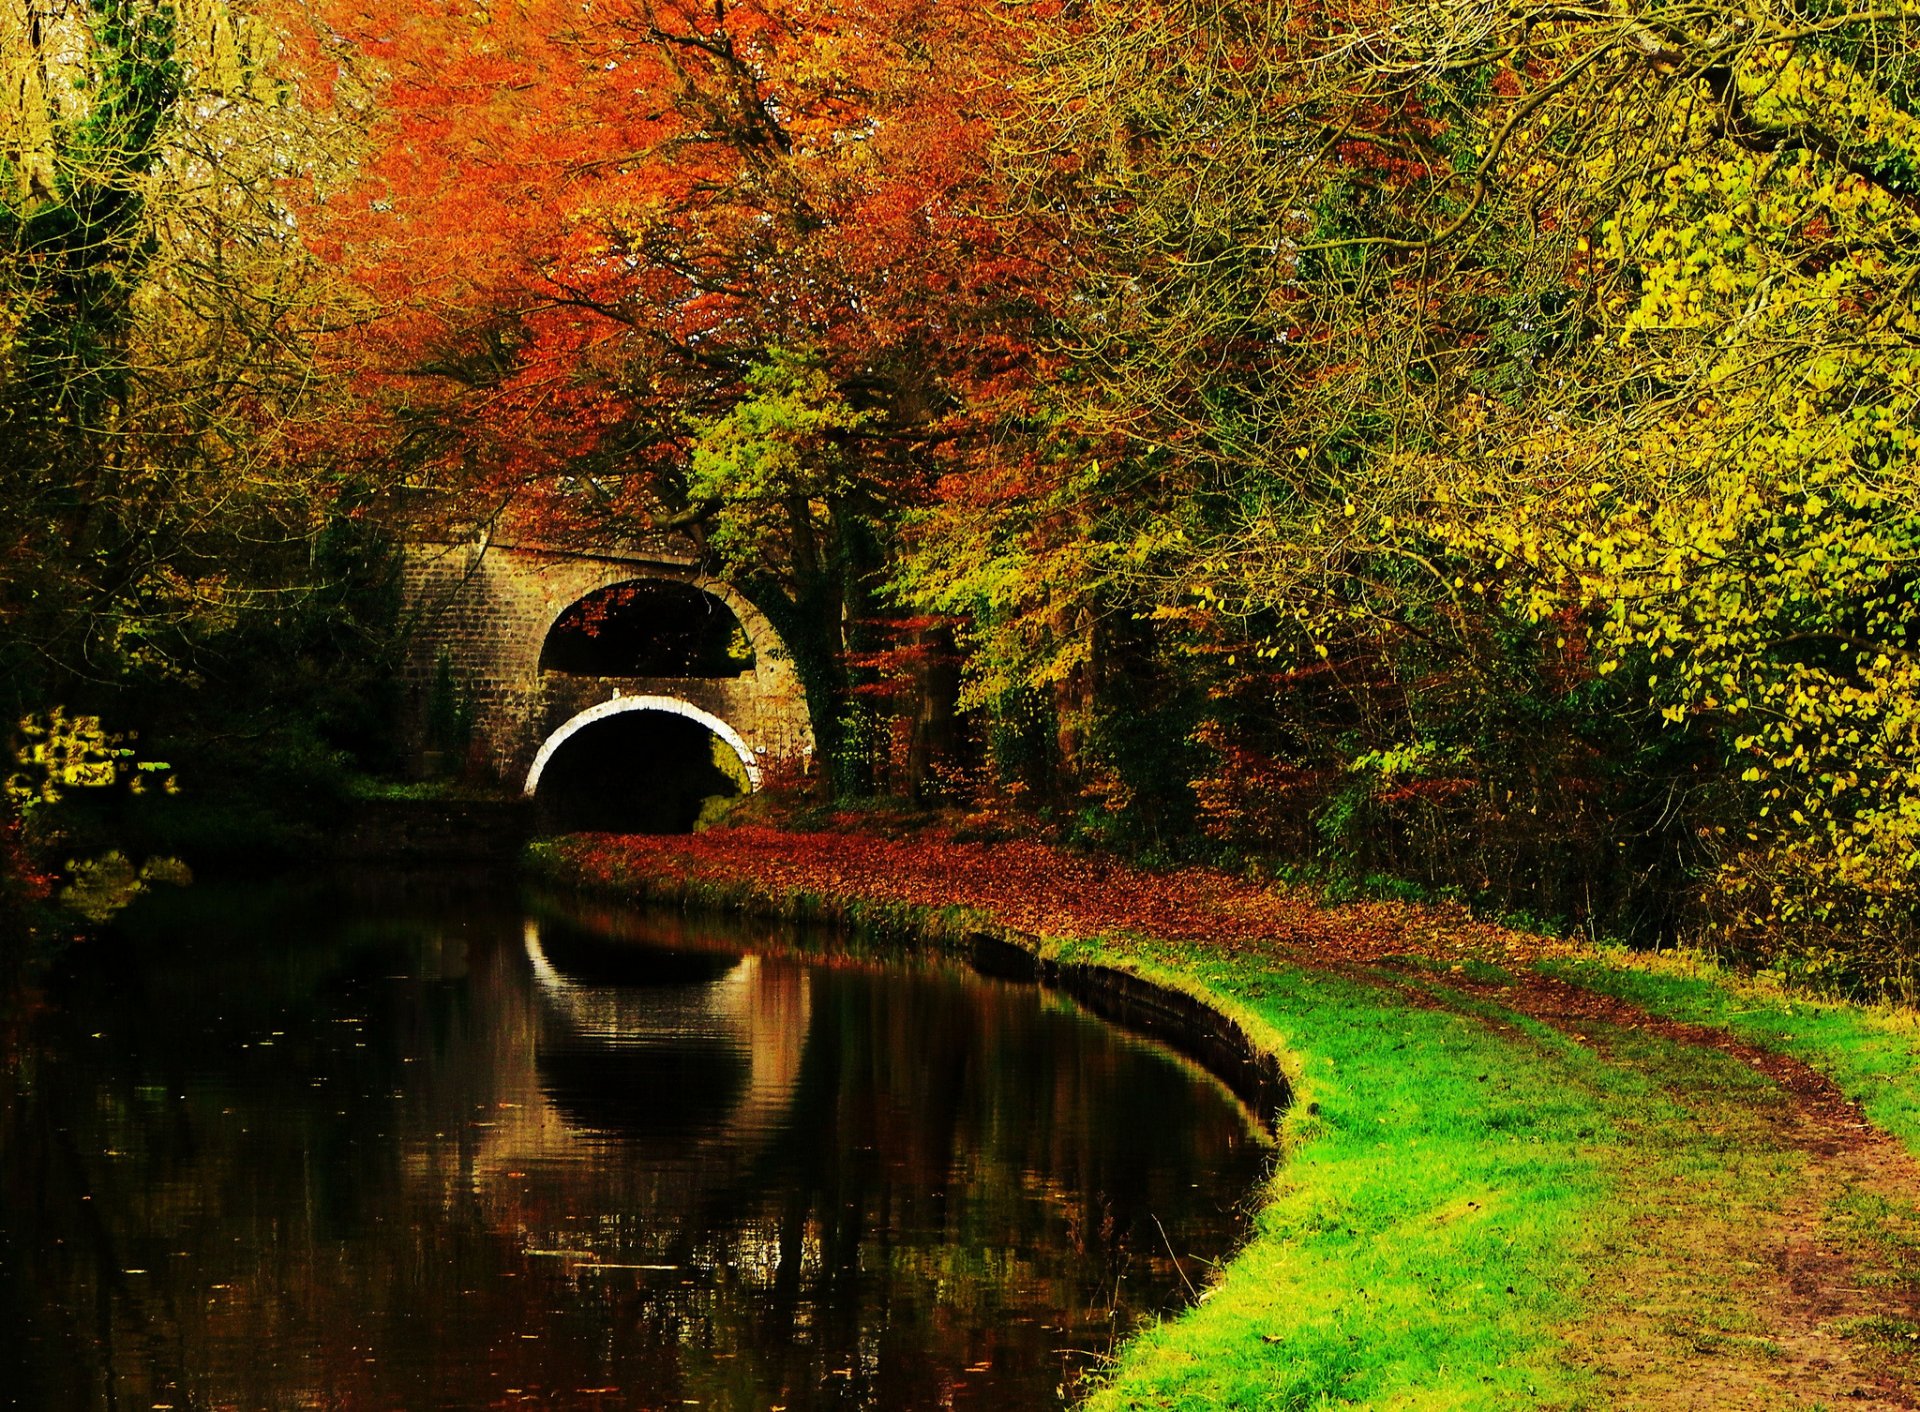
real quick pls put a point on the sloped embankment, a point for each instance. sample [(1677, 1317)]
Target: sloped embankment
[(1515, 1174)]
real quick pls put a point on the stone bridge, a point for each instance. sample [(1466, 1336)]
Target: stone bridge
[(542, 646)]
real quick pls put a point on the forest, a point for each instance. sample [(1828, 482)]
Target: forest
[(1428, 449)]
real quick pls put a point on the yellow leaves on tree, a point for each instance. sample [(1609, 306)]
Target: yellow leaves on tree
[(1740, 501)]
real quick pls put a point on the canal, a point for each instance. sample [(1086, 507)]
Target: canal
[(426, 1143)]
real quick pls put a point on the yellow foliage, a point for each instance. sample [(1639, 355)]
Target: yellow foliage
[(1749, 519)]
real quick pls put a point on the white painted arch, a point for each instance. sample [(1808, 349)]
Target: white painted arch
[(671, 705)]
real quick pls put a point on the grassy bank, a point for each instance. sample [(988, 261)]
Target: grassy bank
[(1429, 1224), (1477, 1207), (1871, 1051)]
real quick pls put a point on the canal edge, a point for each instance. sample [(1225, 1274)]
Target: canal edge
[(1191, 1022)]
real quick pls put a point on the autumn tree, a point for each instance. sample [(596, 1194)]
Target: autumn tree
[(1274, 282), (1737, 504), (179, 554), (717, 272), (155, 312), (1501, 414)]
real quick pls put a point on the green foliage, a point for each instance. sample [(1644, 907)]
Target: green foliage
[(856, 743), (375, 789), (157, 345), (1018, 578), (1022, 744), (60, 758), (772, 458), (1506, 425), (1740, 519), (793, 509), (79, 253), (58, 753), (100, 888)]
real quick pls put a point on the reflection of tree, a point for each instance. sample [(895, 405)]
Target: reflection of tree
[(955, 1176), (220, 1140), (386, 1197)]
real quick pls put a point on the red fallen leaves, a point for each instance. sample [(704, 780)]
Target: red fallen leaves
[(1038, 888), (20, 876)]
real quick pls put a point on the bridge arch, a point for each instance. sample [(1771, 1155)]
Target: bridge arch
[(671, 705), (575, 591), (651, 627), (482, 612)]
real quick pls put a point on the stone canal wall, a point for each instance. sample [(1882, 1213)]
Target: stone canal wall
[(433, 831)]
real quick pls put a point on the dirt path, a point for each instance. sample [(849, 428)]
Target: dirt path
[(1806, 1269)]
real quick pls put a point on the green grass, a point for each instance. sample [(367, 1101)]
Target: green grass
[(1871, 1052), (1443, 1189), (373, 789), (1475, 1211)]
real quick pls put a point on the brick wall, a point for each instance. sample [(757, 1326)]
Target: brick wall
[(489, 606)]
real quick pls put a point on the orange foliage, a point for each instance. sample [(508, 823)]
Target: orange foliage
[(577, 225)]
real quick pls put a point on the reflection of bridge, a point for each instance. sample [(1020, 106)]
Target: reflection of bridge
[(687, 1061), (741, 1019), (643, 632)]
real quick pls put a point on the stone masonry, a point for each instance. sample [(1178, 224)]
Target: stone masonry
[(489, 605)]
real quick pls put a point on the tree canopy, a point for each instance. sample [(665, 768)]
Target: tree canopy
[(157, 313), (1469, 445)]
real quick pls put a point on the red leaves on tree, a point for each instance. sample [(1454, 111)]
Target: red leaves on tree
[(576, 226)]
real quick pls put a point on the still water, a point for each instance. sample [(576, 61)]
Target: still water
[(432, 1147)]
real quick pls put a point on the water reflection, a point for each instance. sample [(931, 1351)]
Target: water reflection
[(664, 1043), (444, 1152)]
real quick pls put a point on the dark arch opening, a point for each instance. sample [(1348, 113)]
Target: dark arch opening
[(640, 1092), (637, 771), (649, 628), (589, 957)]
